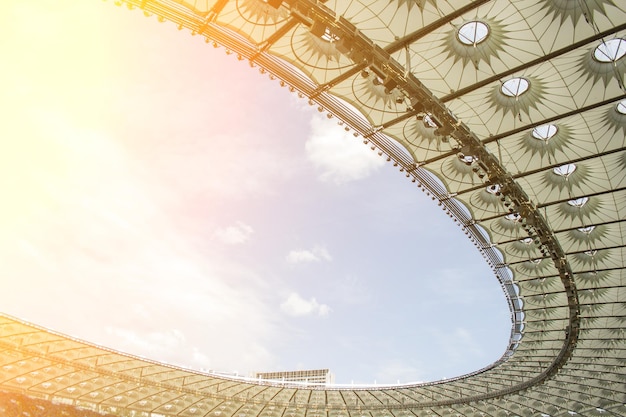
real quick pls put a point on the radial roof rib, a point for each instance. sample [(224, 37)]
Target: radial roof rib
[(511, 115)]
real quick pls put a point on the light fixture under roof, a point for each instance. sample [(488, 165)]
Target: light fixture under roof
[(515, 87), (328, 36), (467, 159), (429, 122), (473, 33), (610, 51), (565, 170), (544, 132), (514, 217), (621, 107), (493, 189)]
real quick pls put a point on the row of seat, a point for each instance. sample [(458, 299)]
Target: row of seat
[(19, 405)]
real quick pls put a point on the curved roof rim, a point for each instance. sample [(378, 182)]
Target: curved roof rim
[(461, 134)]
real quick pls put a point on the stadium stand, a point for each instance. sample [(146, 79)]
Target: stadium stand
[(510, 115)]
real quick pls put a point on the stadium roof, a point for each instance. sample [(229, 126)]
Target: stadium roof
[(511, 115)]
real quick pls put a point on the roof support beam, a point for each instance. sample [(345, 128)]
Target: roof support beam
[(274, 37), (552, 203), (403, 42), (555, 118), (420, 33), (532, 63)]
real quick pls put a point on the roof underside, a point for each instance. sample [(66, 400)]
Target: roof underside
[(511, 115)]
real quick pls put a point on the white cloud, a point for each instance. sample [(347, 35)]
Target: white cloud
[(200, 358), (153, 343), (398, 371), (84, 228), (295, 305), (234, 235), (459, 348), (353, 290), (244, 166), (448, 281), (465, 342), (338, 156), (316, 254)]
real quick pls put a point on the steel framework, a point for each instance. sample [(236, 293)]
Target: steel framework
[(511, 115)]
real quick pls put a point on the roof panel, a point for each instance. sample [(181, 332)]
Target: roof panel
[(534, 178)]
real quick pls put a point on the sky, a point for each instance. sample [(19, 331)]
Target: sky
[(162, 198)]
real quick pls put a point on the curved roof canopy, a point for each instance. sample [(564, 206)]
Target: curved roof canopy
[(511, 115)]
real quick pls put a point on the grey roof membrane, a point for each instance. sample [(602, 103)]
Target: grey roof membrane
[(511, 115)]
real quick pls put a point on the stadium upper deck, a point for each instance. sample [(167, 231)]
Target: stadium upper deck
[(511, 115)]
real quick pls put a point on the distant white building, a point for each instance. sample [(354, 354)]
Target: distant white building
[(314, 376)]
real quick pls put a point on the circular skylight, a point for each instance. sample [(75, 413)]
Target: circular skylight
[(610, 51), (515, 87), (544, 132), (621, 107), (578, 202), (472, 33), (565, 170), (586, 229)]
